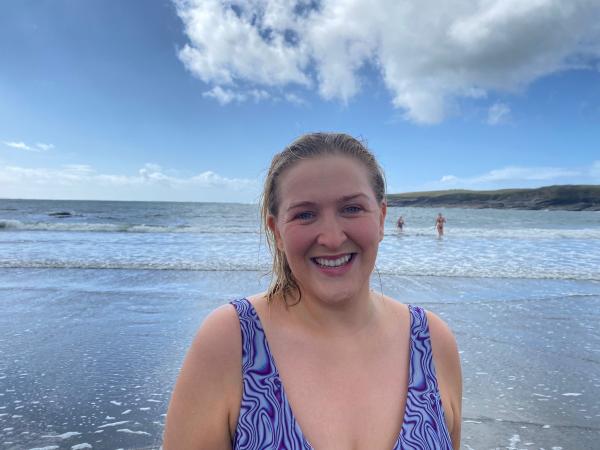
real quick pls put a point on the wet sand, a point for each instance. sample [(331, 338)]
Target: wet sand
[(88, 357)]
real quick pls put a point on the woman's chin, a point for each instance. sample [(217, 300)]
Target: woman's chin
[(337, 297)]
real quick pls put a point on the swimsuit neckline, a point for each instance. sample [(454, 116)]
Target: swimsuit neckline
[(284, 395)]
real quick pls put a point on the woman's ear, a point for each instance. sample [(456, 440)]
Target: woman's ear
[(382, 214), (272, 224)]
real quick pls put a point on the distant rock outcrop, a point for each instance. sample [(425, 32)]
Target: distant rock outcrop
[(563, 197)]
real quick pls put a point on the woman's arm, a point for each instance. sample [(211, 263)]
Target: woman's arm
[(208, 389), (449, 376)]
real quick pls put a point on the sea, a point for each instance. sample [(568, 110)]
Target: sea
[(100, 300)]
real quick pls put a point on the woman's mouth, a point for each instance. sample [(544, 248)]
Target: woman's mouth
[(333, 262)]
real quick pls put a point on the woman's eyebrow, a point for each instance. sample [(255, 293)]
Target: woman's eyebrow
[(346, 198), (300, 204)]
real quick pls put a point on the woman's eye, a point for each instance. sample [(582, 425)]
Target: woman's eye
[(353, 209), (306, 215)]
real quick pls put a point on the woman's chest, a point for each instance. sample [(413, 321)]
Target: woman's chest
[(347, 398)]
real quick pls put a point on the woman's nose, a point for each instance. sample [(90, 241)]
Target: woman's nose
[(331, 233)]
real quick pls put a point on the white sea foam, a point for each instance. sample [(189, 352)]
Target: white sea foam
[(513, 441), (465, 270), (8, 224), (501, 233), (127, 430), (66, 435), (114, 424)]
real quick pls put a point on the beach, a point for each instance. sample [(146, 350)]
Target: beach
[(97, 309)]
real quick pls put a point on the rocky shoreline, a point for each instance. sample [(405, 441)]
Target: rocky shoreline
[(561, 197)]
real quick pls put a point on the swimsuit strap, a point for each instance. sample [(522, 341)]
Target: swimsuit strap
[(424, 424), (266, 420)]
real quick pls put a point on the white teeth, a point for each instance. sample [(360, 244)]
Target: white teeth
[(334, 262)]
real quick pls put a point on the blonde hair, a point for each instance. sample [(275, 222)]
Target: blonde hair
[(308, 146)]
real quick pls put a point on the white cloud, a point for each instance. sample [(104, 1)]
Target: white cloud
[(150, 183), (44, 147), (38, 147), (295, 99), (226, 45), (428, 53), (79, 168), (225, 96), (498, 113), (516, 176), (449, 179), (525, 173), (211, 179), (19, 146)]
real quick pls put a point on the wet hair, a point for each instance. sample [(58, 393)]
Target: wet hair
[(308, 146)]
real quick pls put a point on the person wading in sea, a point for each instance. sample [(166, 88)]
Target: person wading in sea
[(439, 224), (400, 223)]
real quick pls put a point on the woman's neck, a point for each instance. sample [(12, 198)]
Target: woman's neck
[(340, 319)]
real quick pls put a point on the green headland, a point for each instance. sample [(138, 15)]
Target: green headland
[(558, 197)]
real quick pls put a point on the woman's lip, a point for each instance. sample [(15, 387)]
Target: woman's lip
[(341, 255)]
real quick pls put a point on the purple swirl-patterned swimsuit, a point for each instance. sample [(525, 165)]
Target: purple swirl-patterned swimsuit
[(266, 419)]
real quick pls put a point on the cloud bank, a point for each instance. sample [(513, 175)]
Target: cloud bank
[(427, 53), (149, 183), (38, 147), (523, 176)]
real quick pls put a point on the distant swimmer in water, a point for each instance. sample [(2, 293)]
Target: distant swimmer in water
[(439, 224), (400, 223)]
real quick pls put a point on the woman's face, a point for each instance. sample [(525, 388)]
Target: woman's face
[(329, 226)]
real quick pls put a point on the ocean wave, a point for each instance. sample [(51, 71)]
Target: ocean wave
[(493, 272), (134, 265), (233, 266), (501, 233), (117, 228), (473, 233)]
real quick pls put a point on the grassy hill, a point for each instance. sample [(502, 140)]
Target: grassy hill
[(565, 197)]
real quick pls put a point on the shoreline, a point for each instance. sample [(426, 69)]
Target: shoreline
[(105, 347)]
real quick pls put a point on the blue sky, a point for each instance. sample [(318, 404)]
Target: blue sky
[(188, 100)]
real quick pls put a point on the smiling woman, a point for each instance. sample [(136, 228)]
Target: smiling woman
[(319, 360), (312, 166)]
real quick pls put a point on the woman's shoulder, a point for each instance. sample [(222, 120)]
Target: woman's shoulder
[(219, 338), (210, 377), (219, 331), (441, 334), (216, 349), (439, 330)]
